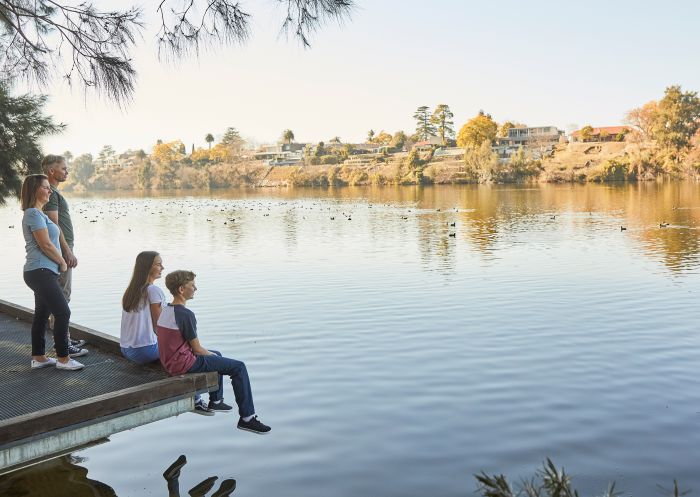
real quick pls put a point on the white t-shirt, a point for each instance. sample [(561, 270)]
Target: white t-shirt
[(137, 326)]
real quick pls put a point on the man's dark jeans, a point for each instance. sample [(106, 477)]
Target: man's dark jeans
[(238, 373), (48, 299)]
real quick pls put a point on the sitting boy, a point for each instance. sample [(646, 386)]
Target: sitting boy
[(181, 353)]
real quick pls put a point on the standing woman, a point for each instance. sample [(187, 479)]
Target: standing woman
[(141, 306), (41, 270)]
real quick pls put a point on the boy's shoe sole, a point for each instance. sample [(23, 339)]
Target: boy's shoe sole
[(50, 361), (227, 487), (173, 470)]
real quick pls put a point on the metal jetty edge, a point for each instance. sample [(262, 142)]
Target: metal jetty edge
[(46, 413)]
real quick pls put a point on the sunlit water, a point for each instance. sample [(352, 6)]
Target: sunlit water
[(392, 359)]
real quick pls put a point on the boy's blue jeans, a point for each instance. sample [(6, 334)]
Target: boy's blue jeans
[(238, 373)]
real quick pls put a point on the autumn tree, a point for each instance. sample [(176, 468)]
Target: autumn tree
[(209, 139), (444, 125), (503, 129), (424, 126), (642, 119), (478, 130), (77, 41), (370, 136), (167, 158), (22, 125), (383, 138), (586, 133)]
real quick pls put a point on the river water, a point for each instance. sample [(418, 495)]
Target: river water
[(396, 355)]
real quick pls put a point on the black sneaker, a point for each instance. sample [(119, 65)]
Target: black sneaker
[(76, 343), (200, 408), (76, 351), (220, 406), (254, 425)]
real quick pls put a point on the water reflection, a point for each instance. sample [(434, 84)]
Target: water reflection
[(66, 477), (60, 477), (172, 476)]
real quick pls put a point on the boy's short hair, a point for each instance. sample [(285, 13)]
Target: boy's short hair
[(174, 280)]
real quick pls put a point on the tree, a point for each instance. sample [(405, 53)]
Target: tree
[(383, 138), (503, 130), (677, 119), (442, 119), (370, 136), (478, 130), (83, 168), (209, 139), (643, 119), (288, 136), (424, 127), (68, 156), (320, 150), (77, 41), (106, 152), (335, 139), (398, 140), (586, 133), (230, 146), (22, 125)]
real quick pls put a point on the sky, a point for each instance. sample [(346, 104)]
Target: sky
[(540, 63)]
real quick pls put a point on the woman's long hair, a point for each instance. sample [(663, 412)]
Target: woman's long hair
[(135, 294), (30, 188)]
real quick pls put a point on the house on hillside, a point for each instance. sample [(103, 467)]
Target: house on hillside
[(601, 134), (539, 140), (281, 153)]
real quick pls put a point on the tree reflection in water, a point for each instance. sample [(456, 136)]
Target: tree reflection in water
[(65, 477)]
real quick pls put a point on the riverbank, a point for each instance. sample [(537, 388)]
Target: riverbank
[(572, 162)]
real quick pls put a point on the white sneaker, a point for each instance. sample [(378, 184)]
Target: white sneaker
[(50, 361), (71, 365)]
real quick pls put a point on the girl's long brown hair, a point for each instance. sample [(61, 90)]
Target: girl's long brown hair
[(135, 295)]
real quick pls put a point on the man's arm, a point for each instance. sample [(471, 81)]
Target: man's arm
[(71, 260), (197, 348)]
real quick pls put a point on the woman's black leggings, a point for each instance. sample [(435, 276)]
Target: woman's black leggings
[(48, 299)]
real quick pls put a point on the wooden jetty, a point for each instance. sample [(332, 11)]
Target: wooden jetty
[(46, 413)]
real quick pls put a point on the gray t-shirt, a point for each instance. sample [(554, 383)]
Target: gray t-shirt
[(32, 221), (57, 202)]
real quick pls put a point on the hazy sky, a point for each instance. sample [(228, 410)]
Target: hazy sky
[(541, 63)]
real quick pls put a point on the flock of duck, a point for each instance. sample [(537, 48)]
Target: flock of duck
[(120, 208)]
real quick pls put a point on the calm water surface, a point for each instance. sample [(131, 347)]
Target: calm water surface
[(393, 359)]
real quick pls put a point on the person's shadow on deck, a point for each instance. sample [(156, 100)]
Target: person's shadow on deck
[(172, 475)]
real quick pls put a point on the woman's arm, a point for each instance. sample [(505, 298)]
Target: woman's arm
[(44, 242), (155, 314)]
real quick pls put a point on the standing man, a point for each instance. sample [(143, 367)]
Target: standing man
[(56, 209)]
